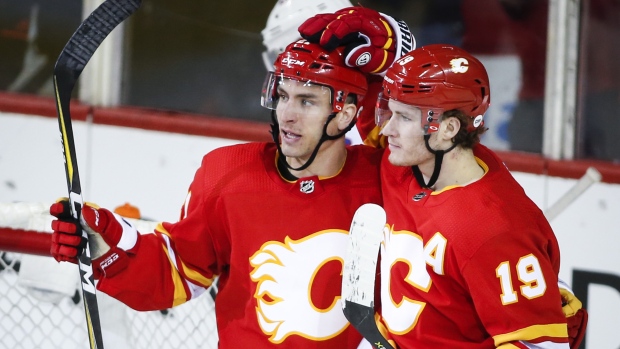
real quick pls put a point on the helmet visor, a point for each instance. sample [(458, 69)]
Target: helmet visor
[(382, 111), (306, 92), (269, 94), (429, 117)]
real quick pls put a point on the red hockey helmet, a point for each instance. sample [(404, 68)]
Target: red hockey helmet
[(310, 63), (437, 78)]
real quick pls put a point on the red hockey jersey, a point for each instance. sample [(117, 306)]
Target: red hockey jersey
[(278, 247), (470, 266)]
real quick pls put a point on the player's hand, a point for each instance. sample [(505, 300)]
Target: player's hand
[(110, 236), (576, 317), (372, 40), (67, 241)]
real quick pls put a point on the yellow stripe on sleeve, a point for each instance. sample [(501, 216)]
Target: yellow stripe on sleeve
[(533, 332), (160, 229), (196, 276), (193, 275), (180, 296)]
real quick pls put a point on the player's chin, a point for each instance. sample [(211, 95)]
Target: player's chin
[(291, 151), (399, 159), (395, 160)]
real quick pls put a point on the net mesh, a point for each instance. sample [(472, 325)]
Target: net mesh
[(40, 318)]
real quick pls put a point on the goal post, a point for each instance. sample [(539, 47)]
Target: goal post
[(42, 306)]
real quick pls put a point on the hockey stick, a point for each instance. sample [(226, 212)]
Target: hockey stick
[(590, 177), (360, 268), (71, 61)]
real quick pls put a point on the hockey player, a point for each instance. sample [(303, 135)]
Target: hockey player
[(334, 29), (281, 29), (468, 261), (271, 219)]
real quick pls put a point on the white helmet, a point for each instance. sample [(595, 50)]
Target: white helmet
[(286, 17)]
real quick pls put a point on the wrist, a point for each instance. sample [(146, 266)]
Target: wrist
[(108, 230), (98, 246), (111, 263)]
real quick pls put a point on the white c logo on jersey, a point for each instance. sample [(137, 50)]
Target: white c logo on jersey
[(285, 273), (406, 247)]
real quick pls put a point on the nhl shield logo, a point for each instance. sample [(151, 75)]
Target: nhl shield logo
[(419, 196), (306, 187)]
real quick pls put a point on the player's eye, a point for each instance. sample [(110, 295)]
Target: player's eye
[(404, 117)]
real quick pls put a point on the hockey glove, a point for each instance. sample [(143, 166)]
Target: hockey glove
[(110, 236), (372, 40), (576, 317)]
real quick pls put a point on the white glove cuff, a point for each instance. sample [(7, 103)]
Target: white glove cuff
[(405, 41), (129, 237)]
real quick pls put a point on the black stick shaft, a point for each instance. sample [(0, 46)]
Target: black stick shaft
[(70, 64)]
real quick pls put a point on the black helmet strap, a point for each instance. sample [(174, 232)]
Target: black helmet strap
[(438, 161), (275, 134)]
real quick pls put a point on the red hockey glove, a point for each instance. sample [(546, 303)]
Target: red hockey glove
[(111, 237), (67, 241), (372, 40), (576, 317)]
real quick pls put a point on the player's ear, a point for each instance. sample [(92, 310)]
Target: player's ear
[(346, 116), (450, 128)]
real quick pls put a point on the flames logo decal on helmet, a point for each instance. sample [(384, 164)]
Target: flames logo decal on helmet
[(459, 65)]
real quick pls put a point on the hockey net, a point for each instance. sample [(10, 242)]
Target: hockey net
[(36, 315)]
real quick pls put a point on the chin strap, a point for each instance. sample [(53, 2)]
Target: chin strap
[(438, 161), (275, 134)]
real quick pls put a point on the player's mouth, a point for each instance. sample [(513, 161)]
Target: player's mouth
[(393, 146), (290, 136)]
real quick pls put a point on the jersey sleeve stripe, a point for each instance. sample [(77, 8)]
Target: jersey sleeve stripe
[(190, 278), (180, 295), (533, 332), (196, 277)]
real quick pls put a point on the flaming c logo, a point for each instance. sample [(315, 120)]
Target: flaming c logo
[(285, 274), (459, 65)]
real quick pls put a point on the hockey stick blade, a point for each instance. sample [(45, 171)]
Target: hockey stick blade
[(89, 36), (70, 64), (360, 268)]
